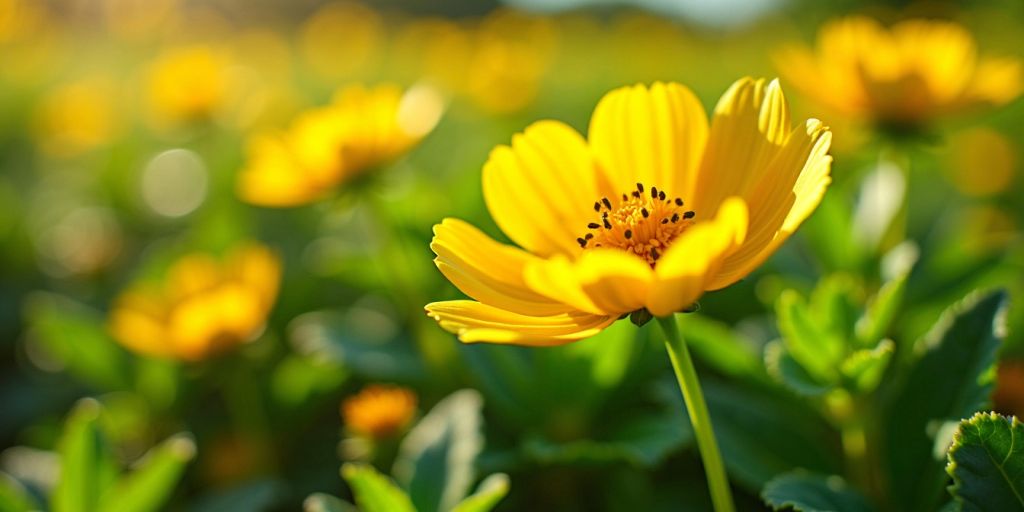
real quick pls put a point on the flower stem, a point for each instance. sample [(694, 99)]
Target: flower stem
[(686, 374)]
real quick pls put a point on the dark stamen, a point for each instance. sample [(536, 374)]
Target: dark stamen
[(661, 195), (689, 214), (628, 234), (675, 217), (644, 212), (593, 225), (679, 202), (607, 225), (664, 221), (654, 192), (636, 194), (582, 242), (640, 187), (588, 236), (654, 253), (597, 207), (606, 202), (625, 197)]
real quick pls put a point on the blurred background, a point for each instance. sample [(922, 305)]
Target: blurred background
[(124, 125)]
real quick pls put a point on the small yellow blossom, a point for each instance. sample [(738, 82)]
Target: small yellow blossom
[(654, 208), (378, 411), (905, 75), (361, 129), (78, 116), (188, 84), (202, 308)]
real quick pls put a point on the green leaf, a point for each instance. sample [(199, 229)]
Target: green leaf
[(807, 341), (835, 304), (951, 379), (435, 462), (803, 492), (881, 311), (986, 462), (487, 495), (150, 485), (641, 440), (87, 467), (14, 497), (76, 336), (375, 492), (786, 370), (717, 345), (864, 368), (320, 502), (744, 417)]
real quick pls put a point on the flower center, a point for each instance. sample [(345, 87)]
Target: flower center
[(643, 222)]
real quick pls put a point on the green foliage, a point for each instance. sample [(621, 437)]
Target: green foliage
[(950, 379), (436, 460), (90, 479), (804, 492), (487, 495), (986, 462), (375, 492), (14, 497)]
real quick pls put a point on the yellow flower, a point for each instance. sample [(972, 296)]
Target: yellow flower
[(189, 83), (905, 75), (78, 116), (361, 129), (378, 411), (203, 307), (652, 210)]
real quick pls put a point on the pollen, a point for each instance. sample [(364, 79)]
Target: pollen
[(644, 224)]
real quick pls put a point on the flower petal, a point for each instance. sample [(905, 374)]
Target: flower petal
[(655, 136), (486, 270), (600, 281), (788, 193), (475, 322), (273, 178), (541, 190), (693, 259)]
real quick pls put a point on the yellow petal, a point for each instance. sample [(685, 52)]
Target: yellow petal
[(601, 281), (486, 270), (476, 322), (750, 123), (273, 178), (692, 261), (997, 80), (654, 136), (541, 190), (259, 270), (787, 194)]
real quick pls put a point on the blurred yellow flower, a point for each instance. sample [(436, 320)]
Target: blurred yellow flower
[(651, 211), (905, 75), (361, 129), (77, 117), (379, 411), (189, 83), (203, 307)]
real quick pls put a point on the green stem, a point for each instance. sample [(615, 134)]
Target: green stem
[(686, 374)]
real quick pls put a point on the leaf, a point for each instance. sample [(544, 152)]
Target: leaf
[(808, 342), (715, 344), (375, 492), (986, 462), (261, 494), (881, 311), (803, 492), (150, 485), (75, 335), (641, 440), (320, 502), (87, 467), (14, 497), (863, 369), (487, 495), (835, 304), (951, 379), (744, 417), (786, 370), (435, 462)]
